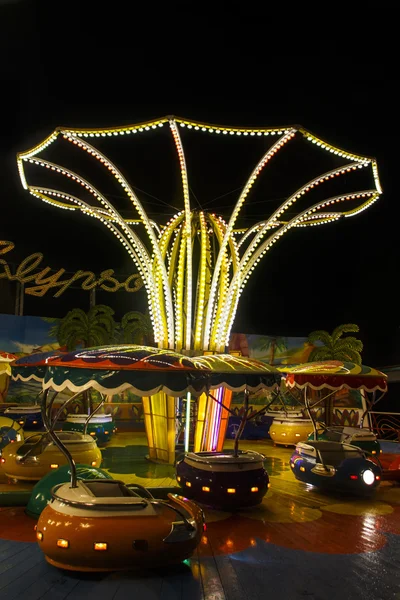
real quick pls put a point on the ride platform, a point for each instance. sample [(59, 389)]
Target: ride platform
[(299, 543)]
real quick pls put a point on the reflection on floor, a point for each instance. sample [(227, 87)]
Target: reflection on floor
[(298, 543)]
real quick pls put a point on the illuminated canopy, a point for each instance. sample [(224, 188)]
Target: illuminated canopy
[(147, 371), (195, 267), (334, 375)]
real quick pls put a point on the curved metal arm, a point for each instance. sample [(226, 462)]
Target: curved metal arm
[(50, 428), (62, 407), (307, 404), (91, 415)]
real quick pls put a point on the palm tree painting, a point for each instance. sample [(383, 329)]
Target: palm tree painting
[(336, 347), (271, 345), (137, 328), (94, 328)]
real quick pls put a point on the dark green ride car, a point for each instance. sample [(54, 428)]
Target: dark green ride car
[(101, 427), (356, 436)]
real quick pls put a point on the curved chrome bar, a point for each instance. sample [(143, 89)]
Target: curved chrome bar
[(307, 404), (188, 526), (62, 407), (91, 415), (50, 428), (141, 488)]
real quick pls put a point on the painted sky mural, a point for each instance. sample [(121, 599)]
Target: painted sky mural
[(23, 335)]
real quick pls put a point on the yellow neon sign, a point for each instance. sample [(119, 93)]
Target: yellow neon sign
[(44, 281)]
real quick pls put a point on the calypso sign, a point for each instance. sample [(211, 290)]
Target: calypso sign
[(43, 281)]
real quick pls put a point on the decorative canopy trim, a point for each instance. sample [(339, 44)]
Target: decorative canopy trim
[(30, 375)]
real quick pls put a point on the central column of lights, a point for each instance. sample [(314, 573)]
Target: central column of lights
[(259, 167), (204, 256), (165, 322), (187, 233), (179, 293), (221, 304)]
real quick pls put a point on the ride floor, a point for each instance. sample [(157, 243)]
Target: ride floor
[(299, 543)]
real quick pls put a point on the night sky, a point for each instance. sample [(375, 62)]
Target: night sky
[(315, 278)]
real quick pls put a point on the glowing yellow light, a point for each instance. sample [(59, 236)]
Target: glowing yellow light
[(205, 488), (101, 546), (92, 433), (39, 536), (34, 422), (53, 466), (94, 463), (231, 491), (63, 543), (178, 478), (302, 469), (188, 484), (254, 489), (166, 264)]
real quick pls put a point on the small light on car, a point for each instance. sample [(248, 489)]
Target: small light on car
[(2, 460), (353, 476), (101, 546), (178, 478), (93, 433), (188, 484), (21, 422), (39, 536), (54, 466), (297, 435), (205, 488), (368, 477), (63, 543), (377, 477), (254, 489), (269, 485), (231, 491), (373, 451), (106, 432), (34, 422), (283, 434), (94, 463), (302, 469)]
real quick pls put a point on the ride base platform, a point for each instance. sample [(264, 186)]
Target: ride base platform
[(299, 543)]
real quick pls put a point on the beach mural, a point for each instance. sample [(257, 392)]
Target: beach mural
[(23, 335)]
